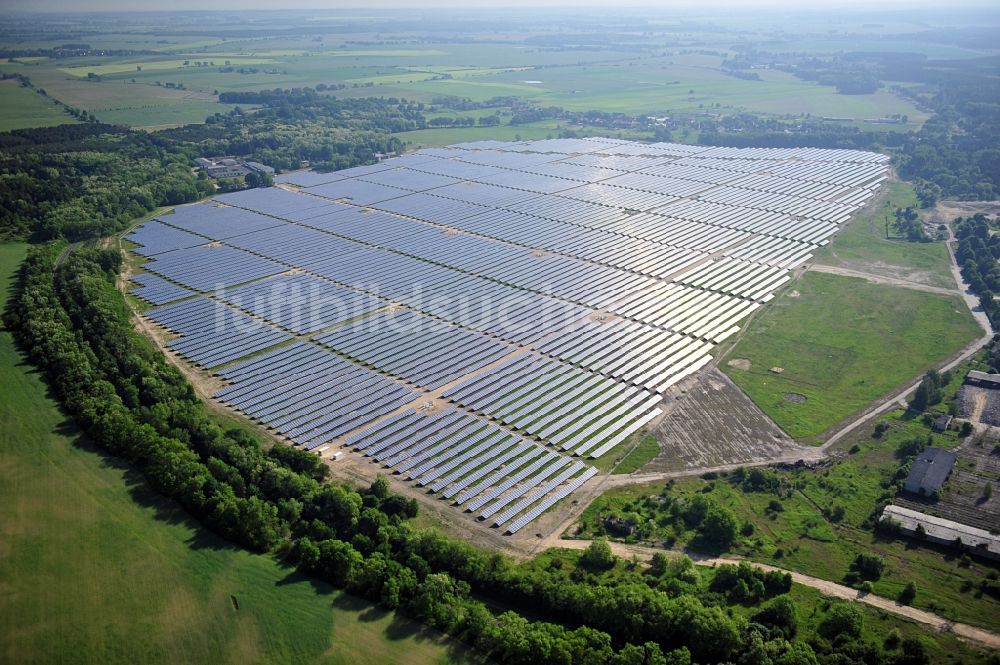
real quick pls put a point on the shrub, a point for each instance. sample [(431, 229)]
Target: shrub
[(908, 593), (843, 621), (868, 566), (598, 555)]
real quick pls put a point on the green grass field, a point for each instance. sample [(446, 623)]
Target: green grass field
[(802, 538), (863, 246), (22, 107), (842, 342), (95, 568), (639, 454), (542, 129)]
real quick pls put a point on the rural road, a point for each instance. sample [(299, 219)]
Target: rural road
[(981, 636)]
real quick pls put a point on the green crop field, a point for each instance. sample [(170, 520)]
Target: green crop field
[(440, 136), (123, 66), (637, 83), (22, 107), (842, 342), (97, 569), (863, 245)]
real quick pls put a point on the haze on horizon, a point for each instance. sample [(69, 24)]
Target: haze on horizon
[(867, 6)]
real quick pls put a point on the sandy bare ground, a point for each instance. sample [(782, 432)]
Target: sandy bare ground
[(981, 636), (946, 211), (709, 422), (883, 279)]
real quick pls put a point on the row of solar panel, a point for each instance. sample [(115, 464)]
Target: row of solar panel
[(157, 291), (418, 348), (310, 395), (301, 303), (212, 334), (637, 354), (481, 467), (569, 407), (620, 147)]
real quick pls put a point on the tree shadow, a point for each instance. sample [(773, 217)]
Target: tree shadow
[(295, 576), (403, 628)]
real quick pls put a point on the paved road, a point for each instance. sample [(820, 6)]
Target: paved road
[(979, 635)]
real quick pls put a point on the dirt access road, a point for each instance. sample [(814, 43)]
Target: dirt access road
[(896, 399), (981, 636)]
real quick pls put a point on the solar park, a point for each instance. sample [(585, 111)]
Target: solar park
[(484, 319)]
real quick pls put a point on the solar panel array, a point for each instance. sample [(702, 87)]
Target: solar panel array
[(480, 318), (310, 395), (211, 334), (157, 291)]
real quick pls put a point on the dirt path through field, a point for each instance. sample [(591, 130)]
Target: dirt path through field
[(982, 636), (896, 399), (883, 279)]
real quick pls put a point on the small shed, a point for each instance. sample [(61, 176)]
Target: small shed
[(941, 423), (929, 471)]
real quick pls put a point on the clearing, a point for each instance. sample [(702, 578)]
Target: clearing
[(862, 246), (835, 342)]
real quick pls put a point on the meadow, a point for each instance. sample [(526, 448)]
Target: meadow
[(23, 107), (863, 245), (840, 343), (99, 569)]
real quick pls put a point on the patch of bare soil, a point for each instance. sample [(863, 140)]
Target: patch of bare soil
[(946, 211), (965, 498), (740, 363), (795, 398), (710, 423)]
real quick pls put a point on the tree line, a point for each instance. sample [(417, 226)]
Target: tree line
[(977, 253), (70, 319)]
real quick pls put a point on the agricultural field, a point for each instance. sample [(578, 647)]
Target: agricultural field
[(821, 352), (654, 75), (815, 521), (532, 131), (99, 569), (23, 107)]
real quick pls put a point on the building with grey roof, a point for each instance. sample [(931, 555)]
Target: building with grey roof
[(943, 531), (929, 471)]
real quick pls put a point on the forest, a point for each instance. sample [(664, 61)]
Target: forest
[(90, 180)]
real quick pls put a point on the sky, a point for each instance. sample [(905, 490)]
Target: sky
[(702, 5)]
